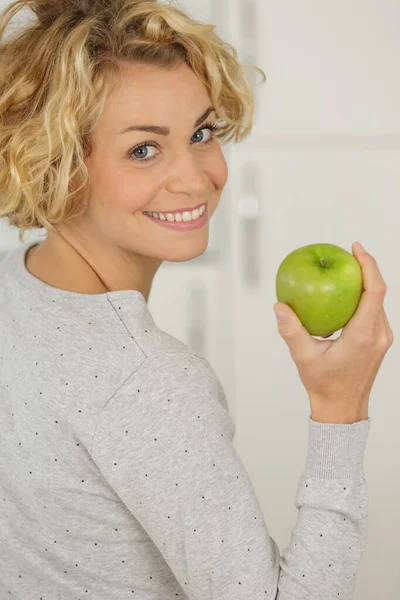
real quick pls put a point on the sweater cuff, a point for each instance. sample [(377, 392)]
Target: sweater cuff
[(336, 451)]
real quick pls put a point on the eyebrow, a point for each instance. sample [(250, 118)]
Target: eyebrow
[(166, 130)]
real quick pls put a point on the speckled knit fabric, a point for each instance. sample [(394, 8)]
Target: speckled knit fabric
[(118, 475)]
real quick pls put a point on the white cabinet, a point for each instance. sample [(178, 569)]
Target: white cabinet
[(332, 66), (322, 165)]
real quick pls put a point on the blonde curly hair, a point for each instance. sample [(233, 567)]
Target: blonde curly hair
[(56, 75)]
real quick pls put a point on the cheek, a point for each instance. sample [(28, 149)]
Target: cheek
[(220, 170), (125, 190)]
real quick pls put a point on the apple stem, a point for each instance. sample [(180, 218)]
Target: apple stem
[(322, 262)]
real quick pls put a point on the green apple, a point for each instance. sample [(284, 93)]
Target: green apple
[(322, 284)]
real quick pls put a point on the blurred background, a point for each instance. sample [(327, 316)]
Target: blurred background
[(322, 165)]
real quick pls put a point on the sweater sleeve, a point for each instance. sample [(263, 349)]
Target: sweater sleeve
[(164, 445)]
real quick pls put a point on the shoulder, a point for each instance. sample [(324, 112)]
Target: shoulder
[(170, 390)]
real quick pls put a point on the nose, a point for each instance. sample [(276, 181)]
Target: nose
[(189, 176)]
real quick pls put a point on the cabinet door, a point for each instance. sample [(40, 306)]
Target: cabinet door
[(322, 165), (332, 66)]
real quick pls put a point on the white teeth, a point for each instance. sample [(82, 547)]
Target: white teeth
[(179, 217)]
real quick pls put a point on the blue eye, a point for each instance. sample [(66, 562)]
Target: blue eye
[(143, 145)]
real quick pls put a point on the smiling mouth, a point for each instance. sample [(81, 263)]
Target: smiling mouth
[(185, 223), (180, 211)]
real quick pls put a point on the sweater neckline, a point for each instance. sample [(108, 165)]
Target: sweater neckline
[(34, 284)]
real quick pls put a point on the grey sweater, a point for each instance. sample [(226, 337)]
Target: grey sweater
[(118, 477)]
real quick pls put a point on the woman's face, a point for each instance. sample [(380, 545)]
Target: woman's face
[(182, 171)]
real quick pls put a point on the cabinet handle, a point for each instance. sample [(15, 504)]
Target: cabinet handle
[(249, 213)]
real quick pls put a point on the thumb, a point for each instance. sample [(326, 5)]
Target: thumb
[(291, 329)]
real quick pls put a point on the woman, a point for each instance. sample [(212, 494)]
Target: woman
[(118, 474)]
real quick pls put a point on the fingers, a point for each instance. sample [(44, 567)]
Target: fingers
[(372, 298)]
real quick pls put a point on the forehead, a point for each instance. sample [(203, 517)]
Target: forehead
[(155, 95)]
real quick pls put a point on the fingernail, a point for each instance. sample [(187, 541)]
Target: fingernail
[(361, 247)]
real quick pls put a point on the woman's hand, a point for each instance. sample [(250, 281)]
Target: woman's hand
[(338, 375)]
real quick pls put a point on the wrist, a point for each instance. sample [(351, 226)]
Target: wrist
[(338, 416), (345, 412)]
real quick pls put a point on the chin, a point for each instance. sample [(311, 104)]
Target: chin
[(191, 252)]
